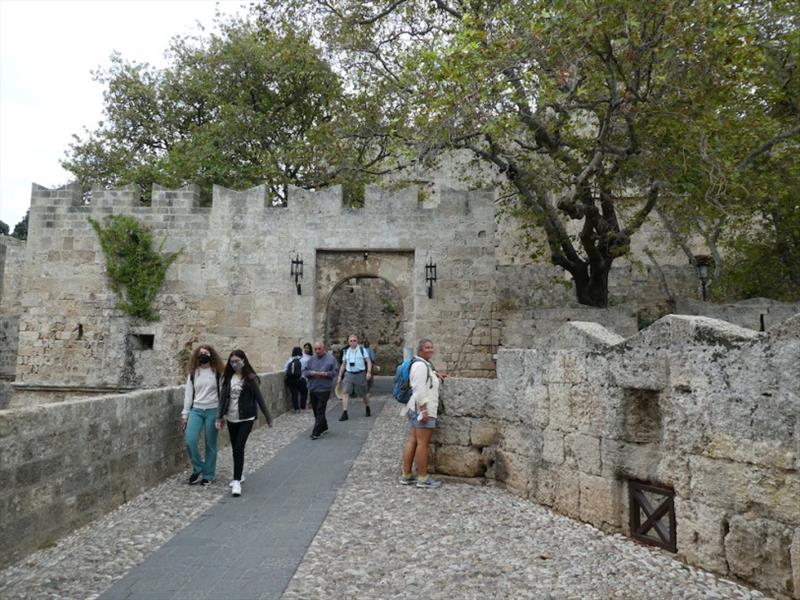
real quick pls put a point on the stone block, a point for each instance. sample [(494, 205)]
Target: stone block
[(459, 461), (558, 403), (742, 487), (587, 406), (514, 470), (453, 431), (566, 492), (700, 532), (621, 460), (757, 550), (553, 446), (483, 433), (584, 450), (768, 453), (600, 501), (469, 397)]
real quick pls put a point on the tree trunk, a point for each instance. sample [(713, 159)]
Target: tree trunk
[(591, 288)]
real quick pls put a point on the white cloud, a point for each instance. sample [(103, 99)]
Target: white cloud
[(48, 50)]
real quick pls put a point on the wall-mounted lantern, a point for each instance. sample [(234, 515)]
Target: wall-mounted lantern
[(296, 272), (702, 261), (430, 276)]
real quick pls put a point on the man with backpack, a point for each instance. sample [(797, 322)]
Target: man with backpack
[(355, 372), (417, 388)]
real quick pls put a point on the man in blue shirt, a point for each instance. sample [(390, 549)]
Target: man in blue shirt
[(355, 371), (320, 371)]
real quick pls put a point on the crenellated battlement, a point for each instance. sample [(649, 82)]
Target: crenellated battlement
[(256, 202)]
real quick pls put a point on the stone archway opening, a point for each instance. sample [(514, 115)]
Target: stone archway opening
[(372, 308)]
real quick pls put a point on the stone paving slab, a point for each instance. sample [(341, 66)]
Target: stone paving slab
[(250, 546)]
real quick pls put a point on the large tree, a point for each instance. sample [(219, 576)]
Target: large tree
[(238, 107), (582, 107), (737, 178)]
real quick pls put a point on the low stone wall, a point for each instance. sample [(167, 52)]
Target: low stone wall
[(527, 329), (64, 464), (703, 407), (751, 313)]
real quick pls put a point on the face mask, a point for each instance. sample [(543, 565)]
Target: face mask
[(204, 359), (237, 366)]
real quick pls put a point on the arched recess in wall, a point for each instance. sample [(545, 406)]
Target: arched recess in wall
[(372, 308), (333, 270)]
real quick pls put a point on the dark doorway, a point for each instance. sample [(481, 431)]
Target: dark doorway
[(371, 308)]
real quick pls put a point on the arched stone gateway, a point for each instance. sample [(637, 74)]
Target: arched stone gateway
[(371, 308), (233, 284), (370, 293)]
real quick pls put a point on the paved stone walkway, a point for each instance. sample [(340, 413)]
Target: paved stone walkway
[(378, 540), (249, 547)]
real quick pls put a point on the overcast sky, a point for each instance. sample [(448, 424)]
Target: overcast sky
[(47, 52)]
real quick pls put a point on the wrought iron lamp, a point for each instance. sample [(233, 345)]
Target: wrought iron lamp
[(430, 276), (296, 272), (702, 261)]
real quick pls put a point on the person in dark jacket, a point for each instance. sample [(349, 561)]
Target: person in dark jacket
[(240, 399)]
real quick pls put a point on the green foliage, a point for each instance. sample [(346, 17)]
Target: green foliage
[(239, 107), (135, 270), (21, 229), (3, 228)]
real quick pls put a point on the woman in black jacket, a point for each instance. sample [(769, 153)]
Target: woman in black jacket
[(240, 399)]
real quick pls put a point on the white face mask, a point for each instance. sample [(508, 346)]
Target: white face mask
[(237, 366)]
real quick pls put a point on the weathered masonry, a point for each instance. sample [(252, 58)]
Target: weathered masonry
[(231, 285), (703, 411)]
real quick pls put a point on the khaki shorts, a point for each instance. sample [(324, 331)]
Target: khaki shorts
[(355, 384)]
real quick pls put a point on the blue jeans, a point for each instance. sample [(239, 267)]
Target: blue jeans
[(202, 419)]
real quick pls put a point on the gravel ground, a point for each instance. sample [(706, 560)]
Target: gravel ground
[(383, 540), (87, 562)]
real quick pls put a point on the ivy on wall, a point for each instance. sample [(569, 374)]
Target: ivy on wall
[(136, 271)]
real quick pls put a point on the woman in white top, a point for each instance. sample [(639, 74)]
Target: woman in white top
[(200, 402), (422, 411), (240, 399)]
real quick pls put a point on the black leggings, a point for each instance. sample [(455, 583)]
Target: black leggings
[(298, 392), (238, 433)]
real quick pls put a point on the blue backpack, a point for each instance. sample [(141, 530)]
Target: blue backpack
[(402, 380)]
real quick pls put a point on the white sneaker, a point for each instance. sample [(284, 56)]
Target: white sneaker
[(236, 488), (240, 481)]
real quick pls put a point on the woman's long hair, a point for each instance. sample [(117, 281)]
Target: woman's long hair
[(247, 371), (194, 362), (297, 351)]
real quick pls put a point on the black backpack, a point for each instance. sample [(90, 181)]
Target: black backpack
[(294, 371)]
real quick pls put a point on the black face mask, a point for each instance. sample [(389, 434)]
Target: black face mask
[(204, 359)]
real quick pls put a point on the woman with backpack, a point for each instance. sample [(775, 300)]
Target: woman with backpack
[(422, 410), (240, 399), (293, 377), (200, 402)]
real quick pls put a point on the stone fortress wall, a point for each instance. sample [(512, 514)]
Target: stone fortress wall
[(231, 283), (706, 408)]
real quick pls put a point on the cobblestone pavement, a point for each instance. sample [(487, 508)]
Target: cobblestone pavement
[(384, 540)]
